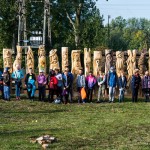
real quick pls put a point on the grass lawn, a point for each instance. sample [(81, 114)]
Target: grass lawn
[(123, 126)]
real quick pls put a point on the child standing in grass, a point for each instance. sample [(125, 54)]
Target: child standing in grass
[(101, 83)]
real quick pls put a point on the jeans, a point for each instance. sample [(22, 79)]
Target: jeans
[(17, 90), (121, 95), (6, 92), (32, 92), (111, 93)]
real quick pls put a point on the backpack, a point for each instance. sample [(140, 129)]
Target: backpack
[(53, 83)]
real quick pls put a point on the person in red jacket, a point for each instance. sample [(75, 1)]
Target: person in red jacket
[(52, 85)]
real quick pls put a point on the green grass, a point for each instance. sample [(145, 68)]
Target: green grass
[(104, 126)]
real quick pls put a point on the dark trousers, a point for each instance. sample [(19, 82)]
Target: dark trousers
[(59, 93), (71, 94), (146, 93), (41, 93), (2, 91), (134, 94), (29, 95), (79, 92), (66, 98), (51, 95), (89, 95)]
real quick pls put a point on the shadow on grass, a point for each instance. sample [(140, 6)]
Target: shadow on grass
[(35, 112), (29, 133)]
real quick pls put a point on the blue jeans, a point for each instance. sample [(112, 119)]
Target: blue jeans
[(111, 93), (6, 92), (121, 95), (17, 90)]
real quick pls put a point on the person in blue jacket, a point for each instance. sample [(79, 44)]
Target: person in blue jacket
[(30, 80), (112, 83), (122, 83), (18, 76), (71, 83), (135, 83)]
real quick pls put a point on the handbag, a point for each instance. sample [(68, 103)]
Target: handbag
[(83, 93)]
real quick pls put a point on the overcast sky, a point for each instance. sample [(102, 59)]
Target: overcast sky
[(124, 8)]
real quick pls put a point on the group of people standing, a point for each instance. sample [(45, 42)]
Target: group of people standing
[(61, 85)]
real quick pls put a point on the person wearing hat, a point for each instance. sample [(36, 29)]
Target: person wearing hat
[(30, 80), (6, 84), (41, 79), (112, 83), (135, 83), (17, 77)]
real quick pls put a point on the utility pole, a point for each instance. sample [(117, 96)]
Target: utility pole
[(22, 22), (46, 18), (108, 31)]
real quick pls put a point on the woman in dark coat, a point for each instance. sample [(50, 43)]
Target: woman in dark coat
[(135, 83)]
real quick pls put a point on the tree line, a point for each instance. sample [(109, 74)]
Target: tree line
[(75, 24)]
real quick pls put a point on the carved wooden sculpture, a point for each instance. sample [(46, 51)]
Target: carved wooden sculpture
[(18, 59), (76, 62), (134, 52), (7, 59), (119, 61), (42, 58), (30, 59), (109, 60), (97, 62), (64, 54), (54, 63), (141, 63), (131, 64), (87, 61)]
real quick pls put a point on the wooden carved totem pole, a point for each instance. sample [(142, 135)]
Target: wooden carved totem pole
[(119, 61), (42, 58), (54, 63), (87, 61), (30, 59), (76, 61), (64, 54), (7, 59), (141, 63), (18, 59), (97, 62), (109, 60)]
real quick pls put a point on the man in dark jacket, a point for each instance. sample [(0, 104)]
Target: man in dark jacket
[(112, 83), (30, 83), (135, 83), (122, 82), (6, 83), (67, 82)]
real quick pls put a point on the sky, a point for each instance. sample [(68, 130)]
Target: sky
[(125, 8)]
